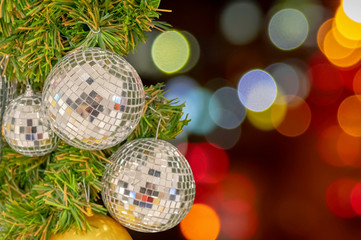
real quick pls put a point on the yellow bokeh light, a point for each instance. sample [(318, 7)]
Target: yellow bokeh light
[(343, 40), (170, 51), (270, 118), (347, 27)]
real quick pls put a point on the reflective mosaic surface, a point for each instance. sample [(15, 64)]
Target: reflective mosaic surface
[(11, 91), (93, 99), (149, 187), (24, 128)]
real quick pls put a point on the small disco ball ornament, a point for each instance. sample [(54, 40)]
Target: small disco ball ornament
[(93, 99), (24, 128), (149, 186)]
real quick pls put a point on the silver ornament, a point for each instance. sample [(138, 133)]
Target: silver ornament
[(149, 187), (24, 128), (93, 99), (10, 90)]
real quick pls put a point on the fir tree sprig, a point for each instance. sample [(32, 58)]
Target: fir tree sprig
[(46, 195), (44, 31)]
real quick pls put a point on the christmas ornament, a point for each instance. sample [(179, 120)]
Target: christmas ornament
[(149, 187), (11, 90), (103, 228), (93, 99), (24, 128)]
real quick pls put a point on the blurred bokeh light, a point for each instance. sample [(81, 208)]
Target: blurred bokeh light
[(241, 21), (209, 163), (224, 138), (238, 219), (170, 51), (338, 197), (225, 108), (286, 78), (257, 90), (352, 9), (346, 26), (282, 29), (271, 117), (349, 115), (297, 118), (201, 223), (274, 140), (194, 51)]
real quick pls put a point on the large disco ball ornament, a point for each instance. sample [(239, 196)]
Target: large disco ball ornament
[(149, 187), (93, 99), (24, 128)]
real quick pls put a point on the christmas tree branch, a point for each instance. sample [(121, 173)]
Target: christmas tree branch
[(49, 194), (44, 31)]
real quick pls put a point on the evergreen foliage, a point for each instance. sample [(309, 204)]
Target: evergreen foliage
[(41, 196)]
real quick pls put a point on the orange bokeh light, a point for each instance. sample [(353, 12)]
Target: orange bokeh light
[(349, 115), (338, 148), (201, 223), (357, 83), (322, 31), (297, 118), (239, 187), (333, 49), (338, 198), (349, 61), (348, 148), (327, 143)]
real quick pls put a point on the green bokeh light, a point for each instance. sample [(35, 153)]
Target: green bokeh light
[(170, 51)]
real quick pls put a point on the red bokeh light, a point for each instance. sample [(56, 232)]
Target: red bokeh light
[(327, 85), (356, 198), (198, 161), (209, 163), (238, 219), (338, 198)]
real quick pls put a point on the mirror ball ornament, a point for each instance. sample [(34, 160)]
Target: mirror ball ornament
[(149, 187), (103, 228), (24, 128), (11, 90), (93, 99)]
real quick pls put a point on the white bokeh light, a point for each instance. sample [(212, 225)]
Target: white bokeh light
[(257, 90), (288, 29), (352, 8)]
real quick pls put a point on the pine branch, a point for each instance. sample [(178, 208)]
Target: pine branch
[(44, 31)]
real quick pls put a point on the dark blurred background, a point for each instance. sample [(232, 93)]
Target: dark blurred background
[(277, 156)]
